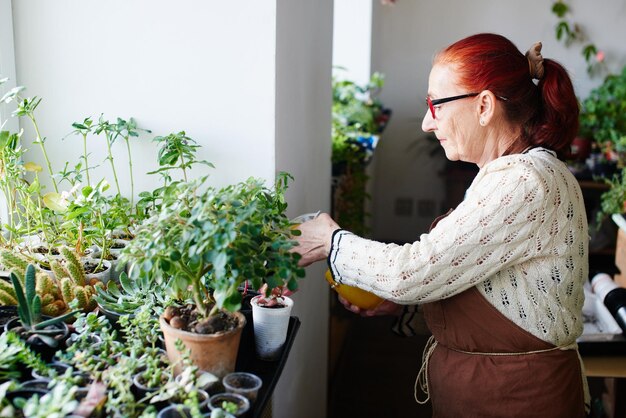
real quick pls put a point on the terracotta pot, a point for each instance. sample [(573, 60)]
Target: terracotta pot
[(214, 353)]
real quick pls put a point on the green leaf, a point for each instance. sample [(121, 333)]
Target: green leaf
[(23, 307), (560, 9), (55, 202)]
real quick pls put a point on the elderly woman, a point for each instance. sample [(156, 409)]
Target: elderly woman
[(499, 278)]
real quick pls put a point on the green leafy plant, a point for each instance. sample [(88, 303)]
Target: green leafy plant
[(211, 241), (29, 310), (359, 118), (603, 115), (59, 402), (358, 115), (16, 358)]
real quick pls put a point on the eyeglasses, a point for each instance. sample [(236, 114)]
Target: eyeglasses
[(432, 103)]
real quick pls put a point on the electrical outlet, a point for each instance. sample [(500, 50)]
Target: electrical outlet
[(403, 206), (426, 208)]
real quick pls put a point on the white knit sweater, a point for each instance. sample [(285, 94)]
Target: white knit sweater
[(520, 236)]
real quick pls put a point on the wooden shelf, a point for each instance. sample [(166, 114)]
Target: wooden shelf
[(590, 184)]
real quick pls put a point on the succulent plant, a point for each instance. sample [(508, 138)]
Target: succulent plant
[(72, 281), (29, 309), (131, 294)]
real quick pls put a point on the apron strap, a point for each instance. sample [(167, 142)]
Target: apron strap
[(421, 382)]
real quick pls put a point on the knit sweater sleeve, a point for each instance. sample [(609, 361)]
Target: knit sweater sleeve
[(496, 226)]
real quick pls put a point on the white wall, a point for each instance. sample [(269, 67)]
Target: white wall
[(248, 80), (193, 66), (406, 36), (303, 102), (7, 70), (352, 39)]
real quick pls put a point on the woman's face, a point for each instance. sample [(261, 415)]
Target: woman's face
[(456, 123)]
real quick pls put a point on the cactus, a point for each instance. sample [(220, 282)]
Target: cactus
[(83, 294), (74, 267), (15, 262), (6, 298), (55, 308), (7, 288), (45, 285), (29, 308), (58, 270)]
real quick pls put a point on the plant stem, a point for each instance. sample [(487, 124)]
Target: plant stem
[(85, 157), (40, 140), (182, 164), (108, 139), (40, 213), (197, 297), (130, 168)]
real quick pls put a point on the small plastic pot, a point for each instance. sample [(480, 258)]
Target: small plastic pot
[(45, 351), (175, 411), (242, 383), (243, 404)]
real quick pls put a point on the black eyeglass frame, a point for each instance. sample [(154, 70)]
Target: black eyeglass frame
[(432, 103)]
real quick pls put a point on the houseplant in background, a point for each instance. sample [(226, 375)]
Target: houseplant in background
[(209, 241), (358, 119), (603, 119)]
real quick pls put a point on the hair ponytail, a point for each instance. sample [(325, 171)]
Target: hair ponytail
[(557, 122)]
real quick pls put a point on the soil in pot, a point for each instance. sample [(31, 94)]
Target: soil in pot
[(93, 267), (43, 249), (186, 318), (213, 342), (242, 383)]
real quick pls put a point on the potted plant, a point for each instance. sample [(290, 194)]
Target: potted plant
[(231, 403), (210, 241), (603, 119), (358, 119), (42, 334), (270, 317), (130, 295)]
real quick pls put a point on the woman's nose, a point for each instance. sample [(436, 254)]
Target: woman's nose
[(428, 123)]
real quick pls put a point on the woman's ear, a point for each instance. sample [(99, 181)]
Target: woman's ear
[(486, 107)]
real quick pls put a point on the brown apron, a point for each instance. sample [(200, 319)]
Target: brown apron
[(466, 379), (546, 384)]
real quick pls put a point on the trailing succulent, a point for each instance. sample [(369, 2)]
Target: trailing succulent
[(29, 310)]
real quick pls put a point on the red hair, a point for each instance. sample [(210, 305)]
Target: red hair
[(547, 111)]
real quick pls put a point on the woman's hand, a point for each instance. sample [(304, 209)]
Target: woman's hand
[(385, 308), (315, 239)]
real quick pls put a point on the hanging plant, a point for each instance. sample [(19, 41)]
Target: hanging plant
[(570, 33)]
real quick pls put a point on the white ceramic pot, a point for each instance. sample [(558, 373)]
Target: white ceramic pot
[(105, 275), (270, 328)]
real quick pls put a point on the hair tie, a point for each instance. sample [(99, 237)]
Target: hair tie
[(535, 61)]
